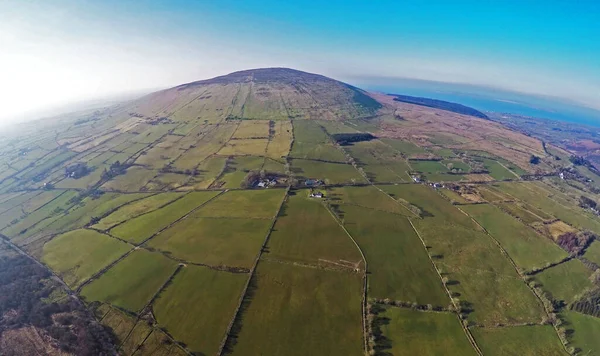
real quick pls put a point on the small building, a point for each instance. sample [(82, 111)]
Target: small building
[(316, 195), (261, 184), (561, 175)]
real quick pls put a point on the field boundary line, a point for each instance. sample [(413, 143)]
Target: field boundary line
[(466, 330), (365, 285), (163, 287), (136, 247), (522, 275), (236, 313)]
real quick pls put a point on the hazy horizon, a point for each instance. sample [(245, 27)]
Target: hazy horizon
[(64, 51)]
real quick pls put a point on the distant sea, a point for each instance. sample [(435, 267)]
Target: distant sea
[(486, 99)]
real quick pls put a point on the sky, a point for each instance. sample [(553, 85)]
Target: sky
[(53, 52)]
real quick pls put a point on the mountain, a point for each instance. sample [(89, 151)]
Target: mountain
[(267, 93)]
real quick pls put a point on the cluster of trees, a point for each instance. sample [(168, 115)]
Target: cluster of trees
[(26, 293), (534, 159), (345, 139), (589, 303), (77, 170), (580, 161), (587, 203), (114, 170), (575, 243)]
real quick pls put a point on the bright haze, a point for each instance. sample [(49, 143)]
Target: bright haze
[(55, 52)]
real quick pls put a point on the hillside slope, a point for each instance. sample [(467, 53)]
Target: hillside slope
[(269, 93)]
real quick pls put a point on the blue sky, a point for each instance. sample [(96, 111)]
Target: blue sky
[(80, 49)]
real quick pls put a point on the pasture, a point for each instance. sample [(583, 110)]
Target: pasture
[(198, 305), (78, 254), (528, 249), (565, 281), (585, 331), (519, 340), (411, 332), (368, 197), (306, 232), (320, 152), (301, 311), (214, 241), (144, 226), (331, 173), (259, 204), (592, 253), (399, 267), (132, 282)]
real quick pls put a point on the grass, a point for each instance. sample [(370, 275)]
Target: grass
[(399, 267), (565, 281), (199, 302), (214, 241), (76, 255), (548, 201), (279, 143), (256, 147), (252, 129), (586, 330), (406, 147), (453, 196), (301, 311), (473, 264), (309, 132), (306, 232), (322, 152), (134, 179), (528, 249), (558, 228), (120, 323), (456, 164), (138, 334), (519, 341), (368, 197), (132, 282), (134, 209), (260, 204), (142, 227), (592, 253), (428, 166), (410, 332), (520, 212), (331, 173), (496, 170)]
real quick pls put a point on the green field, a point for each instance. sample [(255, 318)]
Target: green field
[(367, 197), (497, 170), (198, 305), (132, 282), (470, 260), (592, 253), (519, 341), (214, 241), (331, 173), (565, 281), (257, 204), (516, 210), (410, 332), (78, 254), (301, 311), (306, 232), (527, 248), (135, 209), (139, 229), (399, 267), (406, 147), (586, 330), (322, 152)]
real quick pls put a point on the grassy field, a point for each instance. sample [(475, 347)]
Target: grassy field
[(453, 196), (120, 323), (565, 281), (214, 241), (406, 147), (306, 232), (519, 341), (586, 330), (302, 311), (77, 255), (309, 132), (138, 334), (132, 282), (497, 170), (592, 253), (134, 180), (470, 260), (428, 166), (520, 212), (135, 209), (138, 229), (199, 302), (331, 173), (527, 248), (322, 152), (410, 332), (368, 197), (252, 129), (399, 267), (260, 204), (256, 147)]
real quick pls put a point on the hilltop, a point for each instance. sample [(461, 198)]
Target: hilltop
[(267, 93)]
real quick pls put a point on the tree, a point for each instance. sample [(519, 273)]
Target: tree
[(534, 159)]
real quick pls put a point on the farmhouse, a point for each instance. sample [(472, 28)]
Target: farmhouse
[(316, 195)]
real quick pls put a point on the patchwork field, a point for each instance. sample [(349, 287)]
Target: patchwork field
[(410, 332), (301, 311), (152, 214)]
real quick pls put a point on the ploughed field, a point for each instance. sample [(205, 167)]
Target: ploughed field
[(250, 221)]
